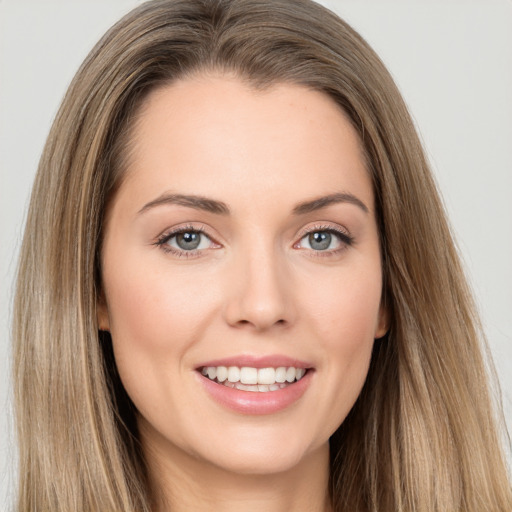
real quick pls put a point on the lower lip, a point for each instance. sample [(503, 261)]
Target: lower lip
[(252, 402)]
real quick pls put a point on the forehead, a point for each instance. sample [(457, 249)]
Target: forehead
[(215, 135)]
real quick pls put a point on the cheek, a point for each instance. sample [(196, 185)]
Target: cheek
[(344, 317), (151, 309), (154, 318), (346, 310), (154, 322)]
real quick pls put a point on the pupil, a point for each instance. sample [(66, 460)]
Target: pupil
[(188, 240), (320, 240)]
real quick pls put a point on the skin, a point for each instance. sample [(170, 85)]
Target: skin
[(255, 287)]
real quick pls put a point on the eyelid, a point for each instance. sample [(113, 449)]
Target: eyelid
[(323, 226)]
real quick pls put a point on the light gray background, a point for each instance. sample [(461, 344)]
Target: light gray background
[(451, 59)]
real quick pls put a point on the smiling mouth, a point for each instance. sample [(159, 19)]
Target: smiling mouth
[(247, 378)]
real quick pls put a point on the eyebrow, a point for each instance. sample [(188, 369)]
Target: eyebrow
[(324, 201), (220, 208), (190, 201)]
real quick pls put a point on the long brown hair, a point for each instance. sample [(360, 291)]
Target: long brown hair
[(422, 436)]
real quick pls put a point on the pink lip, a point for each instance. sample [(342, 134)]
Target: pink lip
[(271, 361)]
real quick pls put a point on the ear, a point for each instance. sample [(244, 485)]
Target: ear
[(102, 313), (383, 321)]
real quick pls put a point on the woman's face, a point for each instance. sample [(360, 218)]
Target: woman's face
[(242, 242)]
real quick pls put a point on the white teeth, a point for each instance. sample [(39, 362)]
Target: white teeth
[(222, 373), (233, 374), (266, 376), (254, 379), (281, 374), (290, 374), (246, 387), (249, 375)]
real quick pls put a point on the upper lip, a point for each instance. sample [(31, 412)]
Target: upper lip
[(268, 361)]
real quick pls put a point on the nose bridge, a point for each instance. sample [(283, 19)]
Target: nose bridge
[(259, 294)]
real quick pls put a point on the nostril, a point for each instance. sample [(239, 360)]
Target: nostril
[(260, 323)]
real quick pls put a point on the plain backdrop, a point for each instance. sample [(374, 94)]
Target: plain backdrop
[(451, 59)]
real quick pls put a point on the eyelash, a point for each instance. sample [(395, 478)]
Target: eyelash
[(345, 239)]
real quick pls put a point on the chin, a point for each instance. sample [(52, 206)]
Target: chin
[(262, 458)]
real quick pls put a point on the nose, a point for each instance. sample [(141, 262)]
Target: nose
[(260, 291)]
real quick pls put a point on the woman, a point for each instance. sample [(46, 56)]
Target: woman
[(240, 203)]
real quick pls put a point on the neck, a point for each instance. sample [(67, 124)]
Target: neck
[(181, 482)]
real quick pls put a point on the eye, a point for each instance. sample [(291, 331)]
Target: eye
[(324, 240), (320, 241), (189, 241), (186, 242)]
